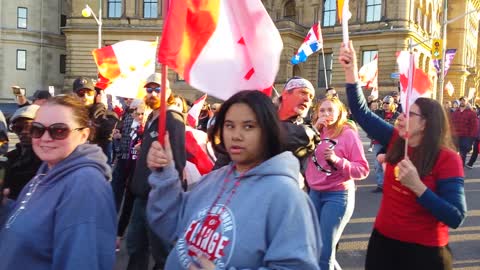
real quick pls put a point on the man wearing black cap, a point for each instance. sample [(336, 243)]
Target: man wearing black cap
[(104, 120), (396, 99)]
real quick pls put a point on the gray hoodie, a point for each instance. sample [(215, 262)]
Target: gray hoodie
[(269, 223)]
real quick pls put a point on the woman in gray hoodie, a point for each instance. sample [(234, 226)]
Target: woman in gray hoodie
[(249, 214)]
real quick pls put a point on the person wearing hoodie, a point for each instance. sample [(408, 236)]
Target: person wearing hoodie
[(65, 216), (337, 161), (220, 223)]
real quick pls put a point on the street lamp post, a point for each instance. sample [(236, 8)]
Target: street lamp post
[(87, 11), (441, 79)]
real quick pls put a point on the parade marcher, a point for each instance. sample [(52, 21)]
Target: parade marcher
[(388, 113), (337, 161), (423, 193), (65, 216), (476, 143), (214, 224), (139, 235), (104, 120), (22, 163), (465, 125), (295, 101)]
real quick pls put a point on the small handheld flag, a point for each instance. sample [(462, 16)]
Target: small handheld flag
[(313, 42)]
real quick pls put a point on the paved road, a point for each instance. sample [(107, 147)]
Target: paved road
[(465, 242)]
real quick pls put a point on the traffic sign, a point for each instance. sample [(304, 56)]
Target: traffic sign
[(395, 75)]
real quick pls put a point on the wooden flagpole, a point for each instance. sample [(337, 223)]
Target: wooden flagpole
[(324, 69), (411, 68)]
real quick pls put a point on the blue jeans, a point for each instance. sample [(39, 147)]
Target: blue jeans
[(378, 166), (334, 209), (465, 145), (141, 241)]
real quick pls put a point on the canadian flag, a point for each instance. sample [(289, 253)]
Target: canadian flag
[(196, 144), (450, 89), (368, 74), (194, 112), (126, 65), (421, 85)]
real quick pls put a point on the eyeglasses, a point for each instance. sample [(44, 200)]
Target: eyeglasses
[(151, 89), (82, 92), (138, 113), (57, 131), (410, 114), (315, 161), (19, 127)]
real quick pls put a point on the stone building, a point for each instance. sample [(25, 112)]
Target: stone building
[(380, 27), (32, 45)]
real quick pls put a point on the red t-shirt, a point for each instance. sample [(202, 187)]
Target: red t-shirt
[(401, 217)]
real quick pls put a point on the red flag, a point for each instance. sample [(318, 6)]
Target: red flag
[(197, 150), (368, 74), (194, 112), (220, 46)]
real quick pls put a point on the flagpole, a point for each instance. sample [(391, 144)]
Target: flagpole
[(324, 69), (411, 68), (162, 117)]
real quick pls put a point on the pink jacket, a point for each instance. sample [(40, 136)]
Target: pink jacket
[(351, 165)]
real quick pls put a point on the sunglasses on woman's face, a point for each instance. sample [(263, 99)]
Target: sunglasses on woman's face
[(153, 89), (57, 131)]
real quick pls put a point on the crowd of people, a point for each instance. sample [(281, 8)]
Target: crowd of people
[(255, 184)]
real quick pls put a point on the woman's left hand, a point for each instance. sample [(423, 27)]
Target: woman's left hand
[(205, 264), (408, 176), (329, 155)]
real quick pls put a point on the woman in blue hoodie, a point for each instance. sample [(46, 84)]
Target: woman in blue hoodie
[(65, 216), (249, 214)]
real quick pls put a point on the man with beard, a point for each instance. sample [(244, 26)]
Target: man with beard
[(465, 127), (139, 235), (295, 101), (22, 163)]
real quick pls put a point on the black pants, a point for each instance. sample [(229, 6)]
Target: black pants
[(386, 253)]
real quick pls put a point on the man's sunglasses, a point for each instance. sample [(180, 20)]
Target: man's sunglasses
[(152, 89), (19, 127), (57, 131), (315, 161), (82, 92)]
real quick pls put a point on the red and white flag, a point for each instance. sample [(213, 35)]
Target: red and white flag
[(450, 89), (196, 144), (194, 112), (368, 74), (421, 85), (221, 47), (126, 65)]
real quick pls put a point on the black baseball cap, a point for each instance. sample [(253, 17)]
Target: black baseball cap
[(83, 83), (40, 94)]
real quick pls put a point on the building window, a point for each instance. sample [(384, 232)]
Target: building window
[(329, 12), (22, 14), (374, 10), (368, 56), (114, 8), (150, 9), (290, 12), (63, 63), (22, 59), (327, 68)]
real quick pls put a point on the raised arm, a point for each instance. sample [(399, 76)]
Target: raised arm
[(376, 127)]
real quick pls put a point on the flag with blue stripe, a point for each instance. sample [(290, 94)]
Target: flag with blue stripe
[(313, 42)]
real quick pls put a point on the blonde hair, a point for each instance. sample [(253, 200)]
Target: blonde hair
[(342, 120)]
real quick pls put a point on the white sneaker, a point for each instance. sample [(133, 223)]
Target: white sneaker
[(370, 149)]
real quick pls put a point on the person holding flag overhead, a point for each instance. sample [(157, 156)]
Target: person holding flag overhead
[(423, 185)]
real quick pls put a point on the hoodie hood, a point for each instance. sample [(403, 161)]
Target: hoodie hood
[(85, 155), (283, 164)]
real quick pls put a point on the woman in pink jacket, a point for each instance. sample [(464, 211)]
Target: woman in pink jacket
[(337, 161)]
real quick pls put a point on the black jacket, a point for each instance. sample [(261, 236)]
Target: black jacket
[(20, 168), (176, 129)]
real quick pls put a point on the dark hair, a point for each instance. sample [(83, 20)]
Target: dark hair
[(267, 119), (436, 135), (79, 110)]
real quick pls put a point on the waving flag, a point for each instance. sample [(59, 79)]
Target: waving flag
[(126, 65), (220, 46), (449, 55), (313, 42), (409, 73), (368, 74), (194, 112)]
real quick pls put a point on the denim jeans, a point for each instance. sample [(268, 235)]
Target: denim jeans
[(119, 179), (334, 209), (474, 155), (378, 166), (465, 145), (141, 241)]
